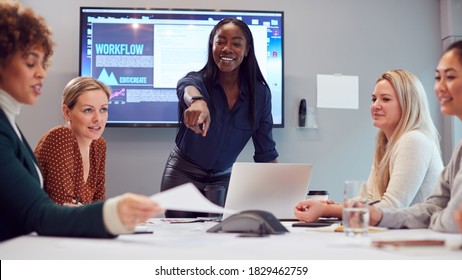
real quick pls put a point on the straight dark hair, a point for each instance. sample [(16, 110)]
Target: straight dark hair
[(248, 70), (457, 47)]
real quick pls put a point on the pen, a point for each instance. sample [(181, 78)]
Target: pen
[(196, 221), (374, 202), (187, 222)]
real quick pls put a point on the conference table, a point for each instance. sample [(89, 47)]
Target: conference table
[(191, 241)]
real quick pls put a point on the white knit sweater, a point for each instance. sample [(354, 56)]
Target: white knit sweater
[(415, 166)]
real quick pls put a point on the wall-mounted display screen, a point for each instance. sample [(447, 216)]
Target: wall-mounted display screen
[(142, 53)]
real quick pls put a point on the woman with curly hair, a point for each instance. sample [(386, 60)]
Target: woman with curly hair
[(25, 49)]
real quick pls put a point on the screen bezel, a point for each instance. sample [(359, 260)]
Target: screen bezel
[(169, 124)]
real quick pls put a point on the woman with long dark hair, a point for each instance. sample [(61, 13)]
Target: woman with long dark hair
[(221, 107)]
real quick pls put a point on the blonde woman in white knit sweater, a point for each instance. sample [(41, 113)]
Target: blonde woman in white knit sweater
[(407, 159)]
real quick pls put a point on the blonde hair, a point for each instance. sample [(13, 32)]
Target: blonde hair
[(415, 116), (80, 85)]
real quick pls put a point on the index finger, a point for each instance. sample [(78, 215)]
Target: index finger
[(302, 203), (205, 127)]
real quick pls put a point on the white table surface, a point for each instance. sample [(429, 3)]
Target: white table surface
[(191, 241)]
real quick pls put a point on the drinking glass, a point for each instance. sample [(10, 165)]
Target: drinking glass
[(355, 211)]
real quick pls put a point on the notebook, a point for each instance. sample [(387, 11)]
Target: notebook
[(272, 187)]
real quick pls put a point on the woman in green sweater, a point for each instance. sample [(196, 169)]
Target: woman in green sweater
[(25, 49)]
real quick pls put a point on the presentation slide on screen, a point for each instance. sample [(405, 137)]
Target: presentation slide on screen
[(142, 61)]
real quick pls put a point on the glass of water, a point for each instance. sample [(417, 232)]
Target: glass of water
[(355, 211)]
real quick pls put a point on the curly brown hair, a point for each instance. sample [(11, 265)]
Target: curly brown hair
[(22, 29)]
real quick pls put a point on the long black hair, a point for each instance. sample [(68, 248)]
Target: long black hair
[(248, 70)]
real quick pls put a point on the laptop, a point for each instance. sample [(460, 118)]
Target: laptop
[(272, 187)]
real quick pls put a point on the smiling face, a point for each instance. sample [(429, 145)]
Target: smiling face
[(229, 48), (448, 84), (89, 115), (385, 108), (22, 76)]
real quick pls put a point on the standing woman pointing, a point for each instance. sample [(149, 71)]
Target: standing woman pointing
[(222, 106)]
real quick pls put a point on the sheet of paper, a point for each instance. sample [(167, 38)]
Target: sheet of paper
[(338, 91), (187, 198)]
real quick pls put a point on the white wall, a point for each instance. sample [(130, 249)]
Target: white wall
[(353, 37)]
